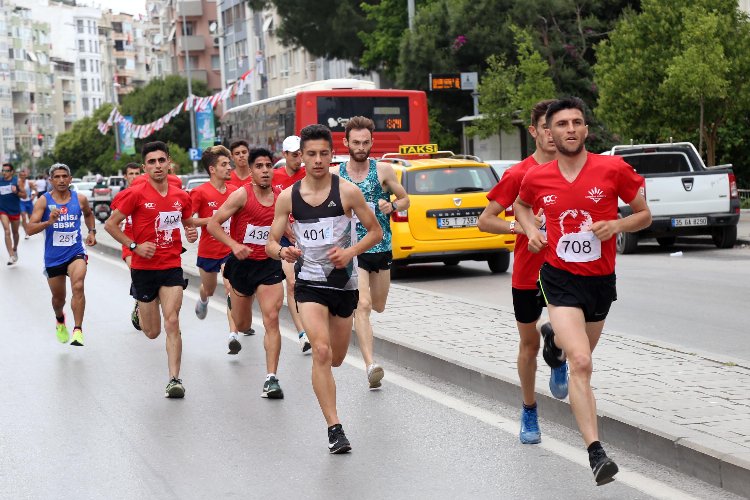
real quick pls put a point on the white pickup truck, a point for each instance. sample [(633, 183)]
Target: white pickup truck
[(685, 197)]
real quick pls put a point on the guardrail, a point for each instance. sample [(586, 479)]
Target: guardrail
[(744, 194)]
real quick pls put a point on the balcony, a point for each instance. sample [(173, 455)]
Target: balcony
[(189, 9), (70, 117), (192, 43), (69, 97), (200, 75)]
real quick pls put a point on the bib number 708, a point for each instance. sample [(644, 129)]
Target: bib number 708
[(579, 247)]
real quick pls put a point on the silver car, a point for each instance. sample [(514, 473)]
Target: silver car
[(84, 188)]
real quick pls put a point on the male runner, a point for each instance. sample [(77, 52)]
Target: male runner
[(11, 192), (157, 209), (377, 181), (132, 172), (325, 254), (249, 270), (58, 213), (526, 303), (240, 176), (212, 254), (27, 204), (579, 193), (284, 177)]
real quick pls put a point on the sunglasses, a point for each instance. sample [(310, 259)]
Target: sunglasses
[(7, 170)]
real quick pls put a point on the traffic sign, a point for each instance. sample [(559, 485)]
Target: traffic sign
[(195, 154)]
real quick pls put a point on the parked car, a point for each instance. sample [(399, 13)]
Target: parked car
[(500, 166), (447, 196), (195, 182), (84, 188)]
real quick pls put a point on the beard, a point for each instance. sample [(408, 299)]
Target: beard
[(359, 156), (566, 150)]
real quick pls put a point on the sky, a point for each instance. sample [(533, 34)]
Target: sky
[(125, 6)]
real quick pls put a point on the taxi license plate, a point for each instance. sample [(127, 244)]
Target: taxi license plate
[(690, 221), (446, 222)]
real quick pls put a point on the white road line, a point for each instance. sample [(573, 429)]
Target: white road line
[(573, 454)]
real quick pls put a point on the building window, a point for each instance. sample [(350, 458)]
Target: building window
[(79, 25), (91, 46), (84, 85), (285, 64), (81, 46), (215, 63), (90, 26), (193, 62), (82, 64), (85, 103), (272, 66), (189, 28)]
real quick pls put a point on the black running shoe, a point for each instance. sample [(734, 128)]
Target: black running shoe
[(135, 317), (249, 331), (604, 468), (272, 389), (174, 389), (337, 442), (553, 355)]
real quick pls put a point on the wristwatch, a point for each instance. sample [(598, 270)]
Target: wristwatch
[(92, 231), (132, 246), (512, 227), (393, 206)]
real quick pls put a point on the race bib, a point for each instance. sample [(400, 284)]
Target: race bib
[(543, 227), (6, 189), (64, 239), (170, 220), (226, 225), (579, 247), (256, 235), (316, 234)]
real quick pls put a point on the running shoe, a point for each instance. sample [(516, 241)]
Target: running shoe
[(77, 337), (14, 259), (375, 374), (249, 331), (530, 433), (234, 344), (337, 442), (26, 237), (558, 381), (603, 467), (555, 358), (304, 343), (175, 389), (62, 333), (201, 309), (272, 389), (135, 317)]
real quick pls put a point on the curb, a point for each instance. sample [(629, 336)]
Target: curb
[(670, 445)]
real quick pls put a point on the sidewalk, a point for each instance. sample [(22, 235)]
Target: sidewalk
[(689, 411)]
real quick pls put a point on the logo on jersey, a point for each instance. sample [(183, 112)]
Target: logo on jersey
[(63, 210), (332, 204), (550, 199), (213, 204), (596, 195), (177, 205), (148, 204), (457, 201)]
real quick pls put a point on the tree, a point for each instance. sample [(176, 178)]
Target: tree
[(83, 148), (507, 93), (677, 69)]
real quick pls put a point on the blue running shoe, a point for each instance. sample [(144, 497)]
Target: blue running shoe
[(558, 381), (530, 433)]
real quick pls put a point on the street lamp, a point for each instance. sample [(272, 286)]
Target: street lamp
[(190, 85)]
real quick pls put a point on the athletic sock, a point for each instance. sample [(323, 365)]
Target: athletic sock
[(203, 301), (60, 319), (532, 407), (77, 328), (268, 377)]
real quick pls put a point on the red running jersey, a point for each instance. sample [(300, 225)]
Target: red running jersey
[(127, 224), (282, 180), (172, 179), (572, 207), (252, 224), (525, 263), (236, 181), (157, 219), (206, 200)]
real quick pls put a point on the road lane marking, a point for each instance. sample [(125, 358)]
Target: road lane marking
[(573, 454)]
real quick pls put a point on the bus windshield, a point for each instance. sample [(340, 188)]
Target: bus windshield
[(389, 113)]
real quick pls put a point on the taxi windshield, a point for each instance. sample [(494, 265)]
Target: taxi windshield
[(449, 180)]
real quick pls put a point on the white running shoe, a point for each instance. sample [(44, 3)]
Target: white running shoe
[(201, 309), (375, 374), (304, 343)]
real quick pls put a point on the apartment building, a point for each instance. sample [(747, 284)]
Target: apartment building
[(125, 53)]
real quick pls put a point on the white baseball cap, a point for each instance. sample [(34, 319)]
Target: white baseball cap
[(290, 144)]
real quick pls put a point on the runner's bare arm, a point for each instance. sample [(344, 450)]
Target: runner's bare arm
[(390, 184), (525, 216), (352, 198), (113, 227), (21, 190), (639, 219), (35, 224), (278, 227), (88, 218), (490, 222), (234, 204)]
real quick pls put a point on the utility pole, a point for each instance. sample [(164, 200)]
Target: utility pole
[(411, 9), (107, 30), (190, 85)]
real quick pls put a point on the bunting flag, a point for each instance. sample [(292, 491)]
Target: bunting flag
[(196, 103)]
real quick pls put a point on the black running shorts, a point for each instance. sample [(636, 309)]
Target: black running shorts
[(147, 282), (592, 294), (375, 262), (62, 269), (247, 275), (527, 305), (341, 303)]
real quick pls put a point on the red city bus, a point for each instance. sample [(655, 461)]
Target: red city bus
[(400, 116)]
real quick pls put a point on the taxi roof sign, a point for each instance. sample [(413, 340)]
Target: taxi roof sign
[(418, 149)]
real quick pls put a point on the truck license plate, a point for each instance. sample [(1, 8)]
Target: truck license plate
[(446, 222), (690, 221)]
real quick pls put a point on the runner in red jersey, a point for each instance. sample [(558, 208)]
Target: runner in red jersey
[(158, 209), (527, 304), (241, 172), (132, 171), (579, 193), (283, 177), (249, 270), (212, 254)]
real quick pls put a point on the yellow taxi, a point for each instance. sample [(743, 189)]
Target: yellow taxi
[(448, 193)]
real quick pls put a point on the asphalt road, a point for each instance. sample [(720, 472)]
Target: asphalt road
[(696, 301), (92, 422)]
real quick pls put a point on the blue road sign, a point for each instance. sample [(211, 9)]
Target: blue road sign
[(195, 154)]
